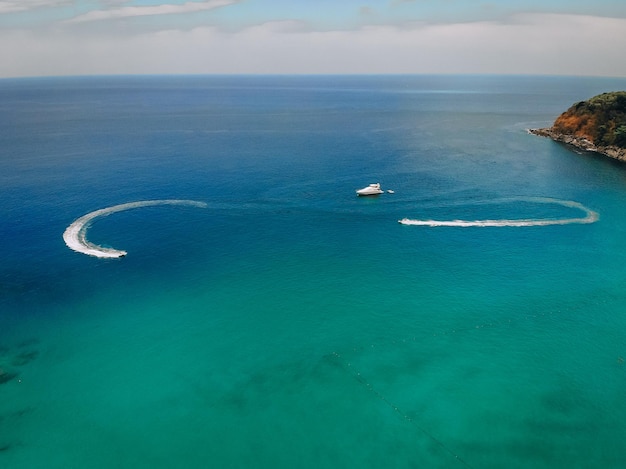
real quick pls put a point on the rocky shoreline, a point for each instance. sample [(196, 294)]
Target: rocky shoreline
[(581, 143)]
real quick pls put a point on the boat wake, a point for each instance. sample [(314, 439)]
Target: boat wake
[(590, 217), (75, 235)]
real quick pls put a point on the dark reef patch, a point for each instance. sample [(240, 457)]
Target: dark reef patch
[(6, 376), (24, 358)]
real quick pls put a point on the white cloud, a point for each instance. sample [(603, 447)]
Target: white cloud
[(164, 9), (526, 44), (12, 6)]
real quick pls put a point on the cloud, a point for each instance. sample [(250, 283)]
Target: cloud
[(524, 44), (13, 6), (164, 9)]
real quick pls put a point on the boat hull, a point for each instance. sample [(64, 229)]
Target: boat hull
[(372, 189), (364, 192)]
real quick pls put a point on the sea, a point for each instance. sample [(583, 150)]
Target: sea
[(264, 316)]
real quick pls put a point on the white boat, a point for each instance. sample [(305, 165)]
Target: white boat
[(390, 191), (372, 189)]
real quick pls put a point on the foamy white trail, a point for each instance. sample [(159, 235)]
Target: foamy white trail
[(75, 235), (590, 217)]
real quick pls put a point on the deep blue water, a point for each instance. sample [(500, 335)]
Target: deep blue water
[(290, 323)]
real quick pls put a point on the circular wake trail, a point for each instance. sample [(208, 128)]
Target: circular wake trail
[(590, 217), (75, 235)]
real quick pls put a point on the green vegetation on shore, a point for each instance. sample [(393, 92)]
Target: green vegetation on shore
[(601, 120)]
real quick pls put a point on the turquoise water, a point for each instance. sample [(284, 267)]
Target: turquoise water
[(290, 323)]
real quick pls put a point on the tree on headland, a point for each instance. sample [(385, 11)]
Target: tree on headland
[(620, 136)]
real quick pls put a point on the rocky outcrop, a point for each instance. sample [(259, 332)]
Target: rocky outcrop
[(598, 125), (582, 143)]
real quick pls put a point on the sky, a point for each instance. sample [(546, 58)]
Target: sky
[(95, 37)]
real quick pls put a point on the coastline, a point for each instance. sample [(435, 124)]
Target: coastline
[(581, 143)]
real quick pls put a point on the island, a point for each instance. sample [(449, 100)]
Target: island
[(597, 125)]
